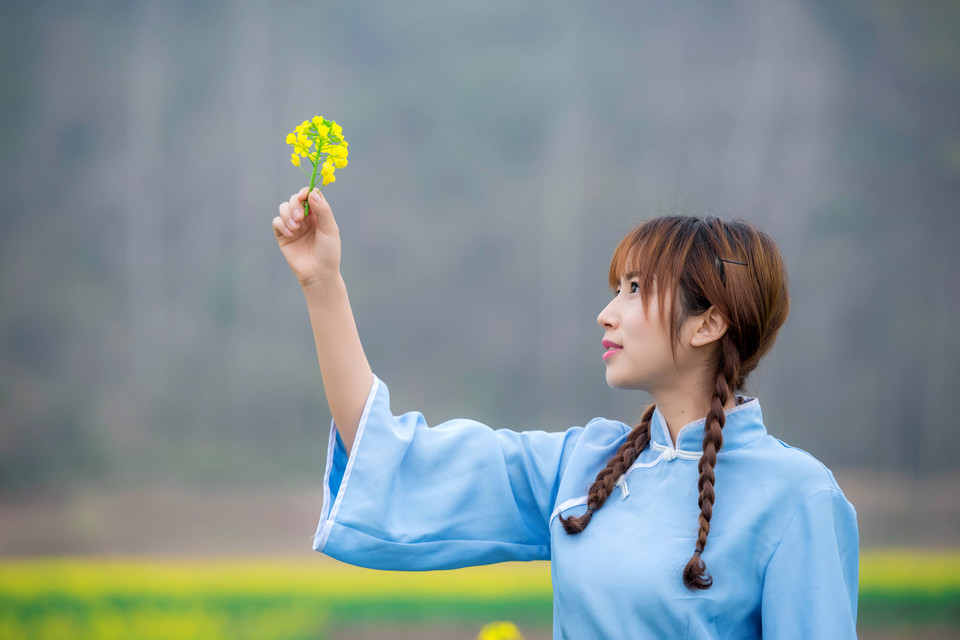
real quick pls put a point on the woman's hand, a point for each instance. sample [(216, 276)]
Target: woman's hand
[(311, 246)]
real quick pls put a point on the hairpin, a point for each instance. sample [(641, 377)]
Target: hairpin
[(720, 268)]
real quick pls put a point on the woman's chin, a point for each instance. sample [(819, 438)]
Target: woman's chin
[(619, 382)]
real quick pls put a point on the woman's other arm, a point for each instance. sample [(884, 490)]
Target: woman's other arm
[(312, 249), (810, 587)]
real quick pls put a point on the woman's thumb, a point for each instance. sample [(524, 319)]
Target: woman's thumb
[(321, 208)]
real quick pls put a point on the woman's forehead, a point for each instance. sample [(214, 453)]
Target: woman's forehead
[(634, 275), (640, 259)]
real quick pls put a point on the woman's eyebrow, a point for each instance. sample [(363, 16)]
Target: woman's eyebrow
[(632, 274)]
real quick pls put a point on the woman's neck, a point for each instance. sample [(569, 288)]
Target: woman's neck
[(679, 407)]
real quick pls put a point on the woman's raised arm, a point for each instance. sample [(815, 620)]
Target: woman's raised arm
[(312, 249)]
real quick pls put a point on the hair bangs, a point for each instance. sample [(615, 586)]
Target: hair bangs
[(652, 254)]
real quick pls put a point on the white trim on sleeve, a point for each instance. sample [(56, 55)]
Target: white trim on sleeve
[(328, 515)]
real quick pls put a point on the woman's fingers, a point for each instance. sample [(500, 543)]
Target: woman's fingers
[(286, 217), (296, 212), (291, 219), (280, 229)]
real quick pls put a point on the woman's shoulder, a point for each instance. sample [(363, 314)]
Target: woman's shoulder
[(783, 484), (598, 439), (793, 466), (604, 430)]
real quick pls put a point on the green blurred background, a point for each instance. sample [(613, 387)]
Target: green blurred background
[(159, 393)]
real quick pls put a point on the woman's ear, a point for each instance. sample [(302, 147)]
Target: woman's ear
[(709, 327)]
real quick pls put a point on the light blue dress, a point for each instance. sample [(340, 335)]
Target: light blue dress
[(783, 544)]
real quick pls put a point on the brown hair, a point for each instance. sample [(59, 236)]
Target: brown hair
[(697, 261)]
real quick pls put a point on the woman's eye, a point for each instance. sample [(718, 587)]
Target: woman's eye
[(634, 287)]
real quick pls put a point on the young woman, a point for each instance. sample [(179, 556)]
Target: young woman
[(693, 524)]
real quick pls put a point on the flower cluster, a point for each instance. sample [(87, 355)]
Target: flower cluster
[(319, 140), (500, 630)]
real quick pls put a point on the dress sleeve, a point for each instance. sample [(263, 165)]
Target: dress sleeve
[(810, 584), (414, 497)]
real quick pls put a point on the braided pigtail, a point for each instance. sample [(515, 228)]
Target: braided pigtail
[(602, 487), (695, 574)]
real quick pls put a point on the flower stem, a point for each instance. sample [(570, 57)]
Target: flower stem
[(306, 208)]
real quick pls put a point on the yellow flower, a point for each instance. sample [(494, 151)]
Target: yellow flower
[(500, 630), (319, 140), (326, 172)]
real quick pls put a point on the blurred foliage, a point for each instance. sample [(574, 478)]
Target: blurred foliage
[(75, 598), (101, 599), (158, 619), (149, 328)]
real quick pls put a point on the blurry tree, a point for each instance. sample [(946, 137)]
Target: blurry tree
[(150, 329)]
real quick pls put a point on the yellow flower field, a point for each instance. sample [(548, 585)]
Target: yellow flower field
[(318, 578), (272, 599), (906, 570)]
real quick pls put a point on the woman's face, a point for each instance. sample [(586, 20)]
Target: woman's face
[(636, 342)]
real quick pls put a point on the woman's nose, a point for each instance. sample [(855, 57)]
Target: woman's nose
[(606, 317)]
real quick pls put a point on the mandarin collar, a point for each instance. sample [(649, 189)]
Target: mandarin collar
[(744, 424)]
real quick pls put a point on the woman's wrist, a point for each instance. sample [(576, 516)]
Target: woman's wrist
[(319, 287)]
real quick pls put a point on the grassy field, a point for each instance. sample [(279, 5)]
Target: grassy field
[(270, 599)]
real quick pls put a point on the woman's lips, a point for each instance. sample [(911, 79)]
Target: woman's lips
[(610, 352), (611, 347)]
